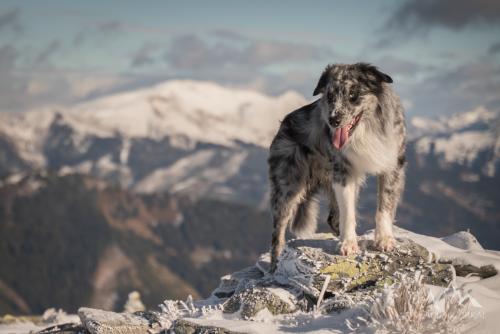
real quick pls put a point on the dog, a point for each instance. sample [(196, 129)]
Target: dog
[(356, 128)]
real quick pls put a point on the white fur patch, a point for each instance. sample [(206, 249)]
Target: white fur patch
[(346, 200), (371, 152), (383, 222), (308, 227)]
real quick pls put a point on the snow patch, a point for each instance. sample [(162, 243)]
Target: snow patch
[(194, 171), (462, 148)]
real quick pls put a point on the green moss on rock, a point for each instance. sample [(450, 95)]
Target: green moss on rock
[(252, 301)]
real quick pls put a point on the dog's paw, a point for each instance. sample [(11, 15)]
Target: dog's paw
[(385, 243), (349, 247)]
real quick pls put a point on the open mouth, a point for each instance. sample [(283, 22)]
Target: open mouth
[(341, 135)]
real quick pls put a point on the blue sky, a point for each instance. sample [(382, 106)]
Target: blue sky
[(444, 55)]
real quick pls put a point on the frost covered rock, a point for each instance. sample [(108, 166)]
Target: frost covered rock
[(182, 326), (250, 302), (103, 322), (306, 265), (311, 273), (238, 281), (316, 290), (471, 270)]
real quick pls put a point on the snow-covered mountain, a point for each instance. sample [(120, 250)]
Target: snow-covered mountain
[(181, 136), (470, 139), (185, 111), (204, 140), (199, 137)]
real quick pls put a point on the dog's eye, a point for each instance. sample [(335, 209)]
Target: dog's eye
[(353, 97)]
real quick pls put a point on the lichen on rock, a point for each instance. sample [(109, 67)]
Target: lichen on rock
[(182, 326), (306, 263), (254, 300)]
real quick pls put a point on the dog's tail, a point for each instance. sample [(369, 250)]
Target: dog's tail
[(305, 221)]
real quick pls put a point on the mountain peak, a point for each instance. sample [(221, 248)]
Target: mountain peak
[(203, 111), (456, 122)]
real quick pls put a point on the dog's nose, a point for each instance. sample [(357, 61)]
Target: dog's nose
[(334, 121)]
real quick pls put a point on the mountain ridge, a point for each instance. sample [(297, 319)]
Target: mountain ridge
[(139, 138)]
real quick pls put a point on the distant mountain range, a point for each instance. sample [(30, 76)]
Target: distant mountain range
[(202, 139), (453, 181), (181, 136), (96, 182)]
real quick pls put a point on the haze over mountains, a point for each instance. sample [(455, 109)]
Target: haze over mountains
[(203, 147)]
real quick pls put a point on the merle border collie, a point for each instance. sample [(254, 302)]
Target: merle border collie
[(356, 128)]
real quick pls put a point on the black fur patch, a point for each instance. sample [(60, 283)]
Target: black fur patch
[(341, 169), (401, 161), (323, 81)]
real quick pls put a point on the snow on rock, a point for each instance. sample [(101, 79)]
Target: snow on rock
[(425, 285), (463, 240), (52, 319), (102, 322), (357, 285)]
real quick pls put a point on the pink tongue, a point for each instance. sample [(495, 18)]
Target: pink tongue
[(340, 137)]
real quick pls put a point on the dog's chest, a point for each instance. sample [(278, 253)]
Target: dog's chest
[(372, 153)]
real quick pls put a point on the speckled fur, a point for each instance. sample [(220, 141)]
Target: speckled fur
[(303, 162)]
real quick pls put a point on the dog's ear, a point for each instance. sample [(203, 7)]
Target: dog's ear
[(375, 73), (323, 81)]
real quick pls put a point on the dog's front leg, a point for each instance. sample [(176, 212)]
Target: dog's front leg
[(345, 194), (390, 187)]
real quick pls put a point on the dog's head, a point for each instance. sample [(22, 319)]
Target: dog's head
[(350, 92)]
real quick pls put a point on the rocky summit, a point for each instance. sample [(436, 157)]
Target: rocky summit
[(314, 289), (310, 274)]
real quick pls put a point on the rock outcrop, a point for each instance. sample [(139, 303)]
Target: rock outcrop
[(311, 278), (310, 273)]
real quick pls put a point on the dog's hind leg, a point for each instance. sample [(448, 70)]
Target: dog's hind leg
[(285, 199), (305, 221), (390, 187)]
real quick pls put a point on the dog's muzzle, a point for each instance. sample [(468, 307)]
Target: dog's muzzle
[(334, 121)]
